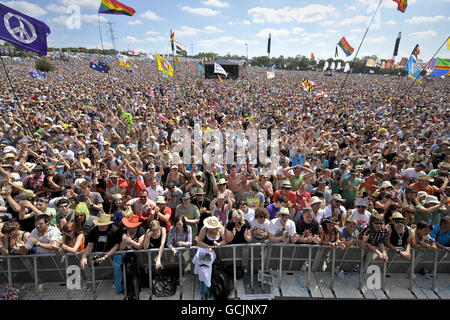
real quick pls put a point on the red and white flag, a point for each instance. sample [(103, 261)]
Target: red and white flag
[(321, 94)]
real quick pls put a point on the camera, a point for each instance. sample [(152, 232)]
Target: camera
[(95, 259)]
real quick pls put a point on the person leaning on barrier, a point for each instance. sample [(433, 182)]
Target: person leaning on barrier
[(180, 235), (374, 235), (441, 233), (73, 239), (260, 225), (155, 237), (329, 234), (422, 239), (400, 236), (211, 234), (307, 228), (283, 228), (104, 237), (44, 236), (238, 229), (13, 240), (348, 232)]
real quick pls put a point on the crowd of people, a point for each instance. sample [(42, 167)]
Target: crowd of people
[(78, 176)]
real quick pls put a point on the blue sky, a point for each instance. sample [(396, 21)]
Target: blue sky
[(225, 26)]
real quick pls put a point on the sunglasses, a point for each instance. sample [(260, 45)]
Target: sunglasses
[(399, 221), (360, 207), (68, 231), (63, 206), (378, 222)]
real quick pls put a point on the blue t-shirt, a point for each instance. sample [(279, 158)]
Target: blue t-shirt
[(442, 238), (272, 211), (344, 235), (297, 160)]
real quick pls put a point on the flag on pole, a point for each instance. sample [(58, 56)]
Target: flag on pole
[(336, 53), (162, 118), (172, 36), (321, 94), (200, 68), (441, 68), (268, 45), (220, 79), (345, 46), (402, 4), (397, 43), (177, 59), (448, 43), (413, 69), (313, 56), (218, 69), (124, 64), (132, 52), (98, 66), (23, 31), (164, 66), (36, 74), (115, 7)]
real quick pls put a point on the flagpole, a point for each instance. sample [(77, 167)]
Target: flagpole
[(417, 77), (17, 99), (351, 67)]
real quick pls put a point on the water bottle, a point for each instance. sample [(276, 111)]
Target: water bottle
[(356, 268), (304, 267)]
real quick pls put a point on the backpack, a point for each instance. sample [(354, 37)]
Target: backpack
[(220, 283), (164, 281)]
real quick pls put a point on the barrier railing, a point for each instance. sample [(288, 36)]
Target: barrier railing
[(279, 257)]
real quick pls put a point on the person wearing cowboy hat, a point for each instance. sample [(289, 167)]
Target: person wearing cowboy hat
[(400, 236), (329, 234), (133, 235), (282, 228), (423, 184), (430, 209), (104, 237), (335, 210), (190, 212)]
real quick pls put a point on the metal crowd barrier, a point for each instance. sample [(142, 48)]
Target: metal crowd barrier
[(42, 268)]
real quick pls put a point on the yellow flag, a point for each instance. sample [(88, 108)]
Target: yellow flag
[(220, 79), (164, 66), (177, 59), (448, 43), (124, 64)]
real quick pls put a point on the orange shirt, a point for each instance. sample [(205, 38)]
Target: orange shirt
[(81, 247), (428, 189)]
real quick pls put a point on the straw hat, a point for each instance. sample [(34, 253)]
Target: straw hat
[(386, 184), (315, 200), (103, 220), (397, 215), (211, 222), (160, 199), (284, 211), (222, 181), (132, 221), (425, 177)]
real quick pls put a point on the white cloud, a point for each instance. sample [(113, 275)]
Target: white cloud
[(357, 30), (424, 34), (246, 22), (157, 39), (131, 39), (275, 32), (310, 13), (391, 22), (415, 20), (354, 20), (211, 29), (135, 22), (214, 43), (376, 40), (151, 15), (298, 30), (55, 8), (28, 8), (205, 12), (351, 8), (216, 3), (150, 32), (88, 18), (332, 31), (327, 23), (187, 31), (320, 44), (83, 4)]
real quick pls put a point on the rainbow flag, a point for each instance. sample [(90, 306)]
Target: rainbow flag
[(345, 46), (402, 4), (115, 7), (162, 118), (441, 67)]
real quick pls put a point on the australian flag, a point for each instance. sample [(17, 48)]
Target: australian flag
[(98, 66), (37, 74), (23, 31)]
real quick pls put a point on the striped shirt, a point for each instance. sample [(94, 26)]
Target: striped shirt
[(375, 237), (175, 236)]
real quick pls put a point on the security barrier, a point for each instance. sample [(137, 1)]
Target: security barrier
[(42, 268)]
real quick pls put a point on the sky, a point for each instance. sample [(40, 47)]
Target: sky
[(233, 26)]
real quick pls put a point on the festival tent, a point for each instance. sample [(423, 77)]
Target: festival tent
[(231, 68)]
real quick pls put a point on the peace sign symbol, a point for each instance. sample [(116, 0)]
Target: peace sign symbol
[(20, 33)]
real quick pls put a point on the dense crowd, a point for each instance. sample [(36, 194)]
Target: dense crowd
[(79, 176)]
